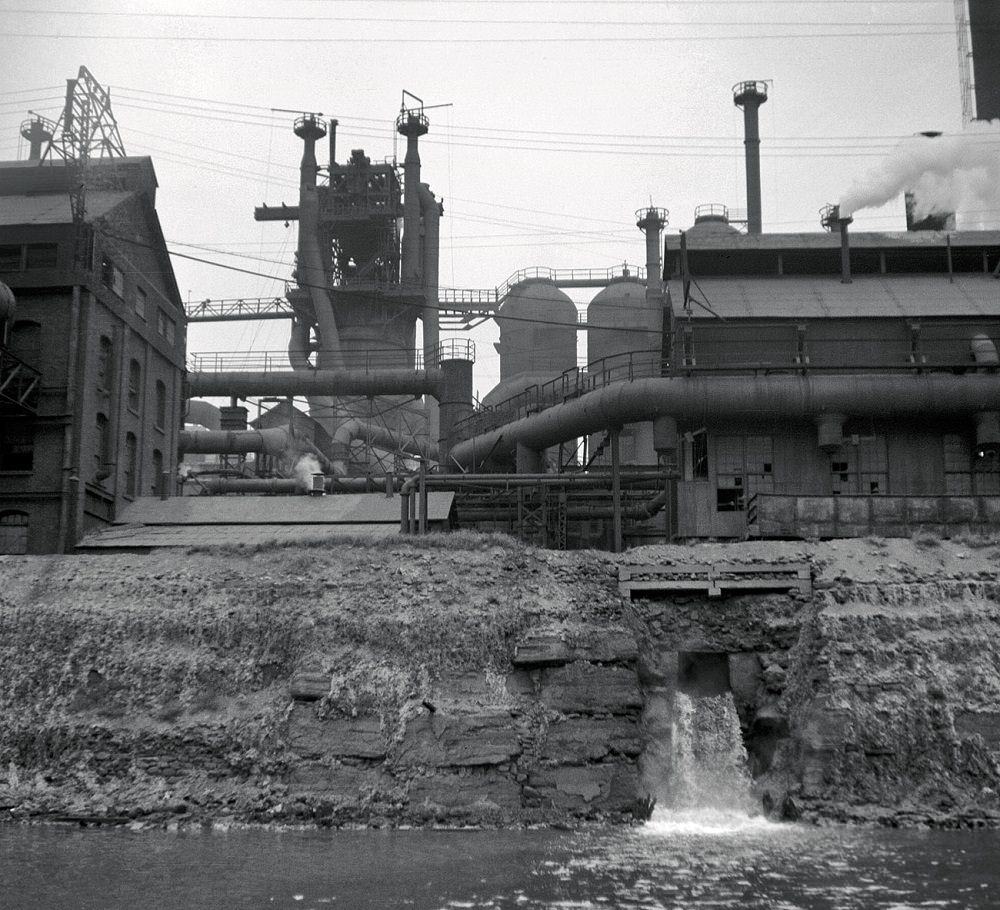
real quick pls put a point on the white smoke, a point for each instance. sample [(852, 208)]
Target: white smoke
[(953, 172), (304, 469)]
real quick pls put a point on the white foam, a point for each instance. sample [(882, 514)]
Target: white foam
[(705, 822)]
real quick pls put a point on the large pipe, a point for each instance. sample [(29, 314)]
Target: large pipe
[(750, 96), (311, 273), (735, 397), (272, 441), (412, 125), (431, 210), (315, 382), (298, 357), (377, 435), (285, 486)]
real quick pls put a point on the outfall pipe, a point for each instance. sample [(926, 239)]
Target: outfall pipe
[(315, 382), (272, 441), (728, 397)]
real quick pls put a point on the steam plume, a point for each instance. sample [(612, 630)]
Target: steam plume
[(304, 469), (948, 173)]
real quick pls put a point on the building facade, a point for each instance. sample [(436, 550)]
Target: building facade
[(99, 318)]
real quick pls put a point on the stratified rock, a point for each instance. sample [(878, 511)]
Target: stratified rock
[(579, 741), (601, 787), (309, 686), (550, 647), (355, 737), (468, 739), (339, 784), (471, 792), (584, 688)]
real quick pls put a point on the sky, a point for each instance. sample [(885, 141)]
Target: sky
[(558, 118)]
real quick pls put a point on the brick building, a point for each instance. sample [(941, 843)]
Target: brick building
[(93, 350)]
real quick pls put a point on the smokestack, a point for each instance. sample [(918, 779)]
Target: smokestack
[(829, 217), (750, 96), (37, 132), (412, 124), (651, 221), (333, 141)]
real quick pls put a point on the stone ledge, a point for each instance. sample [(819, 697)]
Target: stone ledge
[(441, 740), (583, 688), (602, 787), (472, 792), (354, 737), (579, 741), (309, 686), (551, 647)]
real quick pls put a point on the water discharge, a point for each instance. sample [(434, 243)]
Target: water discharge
[(708, 787)]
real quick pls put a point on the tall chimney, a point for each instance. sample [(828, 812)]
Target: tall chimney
[(37, 132), (750, 96), (333, 141), (830, 218), (651, 221), (412, 124)]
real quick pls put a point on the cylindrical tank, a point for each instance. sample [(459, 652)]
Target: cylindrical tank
[(620, 320), (538, 324), (624, 333)]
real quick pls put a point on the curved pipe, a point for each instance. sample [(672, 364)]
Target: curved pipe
[(273, 441), (298, 357), (712, 397), (203, 413), (378, 435), (321, 382)]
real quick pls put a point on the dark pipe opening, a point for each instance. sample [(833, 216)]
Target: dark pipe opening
[(702, 674)]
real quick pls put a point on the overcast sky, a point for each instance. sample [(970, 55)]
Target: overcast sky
[(565, 116)]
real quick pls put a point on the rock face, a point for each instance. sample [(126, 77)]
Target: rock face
[(478, 682)]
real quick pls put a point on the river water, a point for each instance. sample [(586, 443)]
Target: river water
[(677, 860)]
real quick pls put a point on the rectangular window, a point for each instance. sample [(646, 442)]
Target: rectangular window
[(134, 385), (130, 447), (10, 258), (165, 326), (140, 303), (112, 277), (17, 444), (41, 256), (743, 468), (860, 467)]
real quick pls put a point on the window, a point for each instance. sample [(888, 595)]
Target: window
[(112, 277), (699, 455), (140, 303), (130, 448), (10, 258), (102, 445), (134, 384), (165, 326), (860, 467), (157, 472), (26, 342), (13, 532), (41, 256), (105, 364), (161, 404), (17, 444), (743, 468)]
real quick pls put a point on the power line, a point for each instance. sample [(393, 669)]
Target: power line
[(493, 40)]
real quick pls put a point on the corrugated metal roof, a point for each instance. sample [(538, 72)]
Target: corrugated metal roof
[(339, 509), (866, 296), (55, 208), (145, 536)]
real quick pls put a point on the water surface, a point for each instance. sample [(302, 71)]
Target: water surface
[(676, 861)]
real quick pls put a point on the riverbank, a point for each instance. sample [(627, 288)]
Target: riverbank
[(470, 680)]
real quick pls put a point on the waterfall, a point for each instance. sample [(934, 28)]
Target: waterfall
[(709, 768), (707, 786)]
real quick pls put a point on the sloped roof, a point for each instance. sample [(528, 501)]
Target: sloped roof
[(867, 296), (55, 208)]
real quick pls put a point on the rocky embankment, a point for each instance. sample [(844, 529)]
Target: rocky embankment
[(470, 680)]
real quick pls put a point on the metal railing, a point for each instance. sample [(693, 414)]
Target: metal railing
[(20, 384), (277, 361), (454, 349), (565, 387)]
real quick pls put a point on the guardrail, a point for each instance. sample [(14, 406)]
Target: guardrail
[(277, 361)]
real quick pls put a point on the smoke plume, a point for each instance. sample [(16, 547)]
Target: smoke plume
[(954, 172), (304, 469)]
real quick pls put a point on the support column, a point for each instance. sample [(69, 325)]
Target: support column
[(616, 491)]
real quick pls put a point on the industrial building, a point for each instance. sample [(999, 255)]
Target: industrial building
[(742, 383), (92, 332)]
